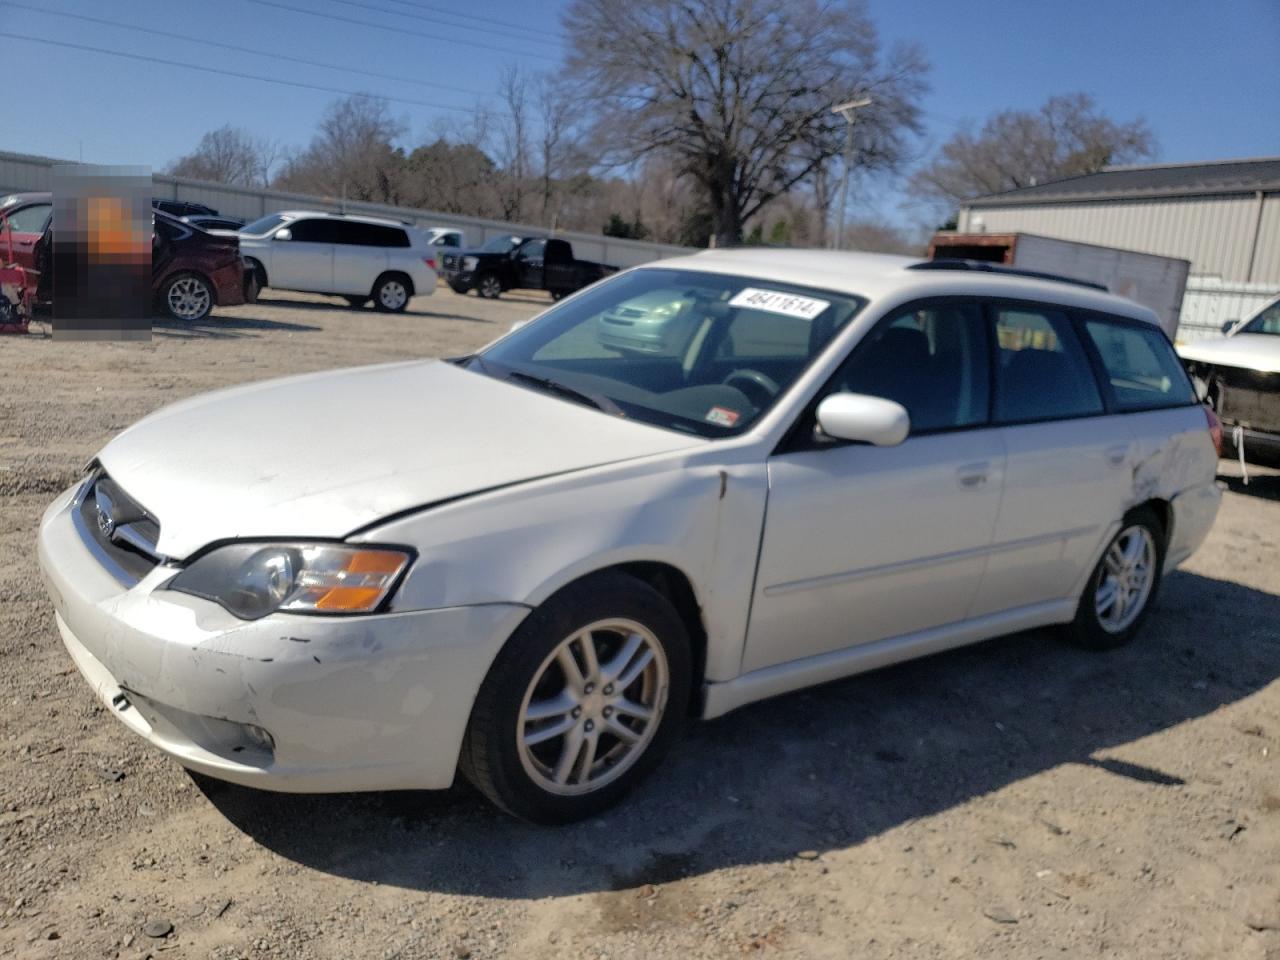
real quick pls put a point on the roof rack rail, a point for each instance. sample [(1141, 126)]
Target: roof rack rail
[(983, 266)]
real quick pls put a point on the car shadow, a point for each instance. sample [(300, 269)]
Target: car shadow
[(220, 326), (1264, 478), (343, 307), (819, 770)]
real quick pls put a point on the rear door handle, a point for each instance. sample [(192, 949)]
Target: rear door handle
[(973, 475), (1118, 454)]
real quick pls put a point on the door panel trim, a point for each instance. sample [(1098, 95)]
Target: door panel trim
[(720, 698), (864, 573)]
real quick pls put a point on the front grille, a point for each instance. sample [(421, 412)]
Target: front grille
[(119, 529), (450, 260)]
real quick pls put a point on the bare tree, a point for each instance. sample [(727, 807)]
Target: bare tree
[(738, 92), (512, 139), (1066, 137), (560, 155), (353, 154), (229, 155)]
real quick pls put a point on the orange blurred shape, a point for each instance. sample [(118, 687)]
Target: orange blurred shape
[(111, 229)]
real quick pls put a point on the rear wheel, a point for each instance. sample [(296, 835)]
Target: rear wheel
[(187, 297), (391, 293), (1123, 586), (586, 698), (489, 286)]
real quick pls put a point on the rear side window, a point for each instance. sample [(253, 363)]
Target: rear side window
[(1042, 371), (932, 359), (359, 234), (1142, 368)]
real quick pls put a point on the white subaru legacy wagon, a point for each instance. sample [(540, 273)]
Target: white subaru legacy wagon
[(536, 564)]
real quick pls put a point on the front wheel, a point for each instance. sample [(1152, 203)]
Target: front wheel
[(585, 699), (1123, 586), (187, 297)]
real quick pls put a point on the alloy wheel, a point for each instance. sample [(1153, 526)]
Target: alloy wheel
[(490, 287), (593, 707), (188, 298), (1125, 578)]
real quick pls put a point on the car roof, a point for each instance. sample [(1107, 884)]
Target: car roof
[(329, 215), (17, 199), (878, 276)]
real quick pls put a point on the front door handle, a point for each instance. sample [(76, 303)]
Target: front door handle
[(973, 475)]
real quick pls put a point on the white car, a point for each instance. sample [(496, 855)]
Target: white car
[(358, 258), (535, 564)]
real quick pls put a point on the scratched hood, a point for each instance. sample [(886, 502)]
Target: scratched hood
[(1251, 351), (325, 454)]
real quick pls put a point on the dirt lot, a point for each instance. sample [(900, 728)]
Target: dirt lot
[(1019, 798)]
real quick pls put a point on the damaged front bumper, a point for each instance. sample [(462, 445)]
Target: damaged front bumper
[(288, 702)]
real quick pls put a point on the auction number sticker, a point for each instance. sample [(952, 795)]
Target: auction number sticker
[(775, 301)]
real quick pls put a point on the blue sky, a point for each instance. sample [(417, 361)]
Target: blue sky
[(1204, 73)]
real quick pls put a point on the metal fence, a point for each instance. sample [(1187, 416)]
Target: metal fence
[(20, 172), (1209, 302)]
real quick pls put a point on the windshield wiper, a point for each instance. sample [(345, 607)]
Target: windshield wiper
[(597, 400)]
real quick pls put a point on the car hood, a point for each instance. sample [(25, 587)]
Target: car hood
[(1252, 351), (323, 455)]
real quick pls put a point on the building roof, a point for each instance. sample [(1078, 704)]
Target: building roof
[(1147, 182)]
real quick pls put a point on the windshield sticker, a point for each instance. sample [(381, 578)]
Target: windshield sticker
[(722, 416), (775, 301)]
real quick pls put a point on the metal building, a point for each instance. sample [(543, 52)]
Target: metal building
[(1223, 216)]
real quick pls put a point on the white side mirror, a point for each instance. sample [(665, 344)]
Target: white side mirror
[(863, 418), (284, 233)]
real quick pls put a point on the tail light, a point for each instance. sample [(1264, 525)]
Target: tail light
[(430, 262), (1215, 428)]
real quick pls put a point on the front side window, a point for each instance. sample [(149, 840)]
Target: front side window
[(932, 359), (1268, 321), (30, 219), (685, 350), (1042, 371), (1143, 370)]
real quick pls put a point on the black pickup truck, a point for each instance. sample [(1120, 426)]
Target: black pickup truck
[(521, 263)]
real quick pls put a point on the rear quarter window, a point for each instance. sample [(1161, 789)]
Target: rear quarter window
[(1141, 367), (1042, 370)]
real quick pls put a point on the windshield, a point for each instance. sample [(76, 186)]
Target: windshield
[(501, 245), (691, 351), (264, 226), (1268, 321)]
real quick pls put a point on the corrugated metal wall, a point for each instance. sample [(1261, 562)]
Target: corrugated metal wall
[(1209, 303), (19, 172), (1214, 233)]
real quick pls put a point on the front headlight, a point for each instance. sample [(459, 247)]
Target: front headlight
[(469, 263), (252, 580)]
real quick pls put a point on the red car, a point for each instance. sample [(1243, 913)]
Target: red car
[(191, 271)]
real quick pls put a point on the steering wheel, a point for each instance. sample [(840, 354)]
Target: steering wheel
[(757, 385)]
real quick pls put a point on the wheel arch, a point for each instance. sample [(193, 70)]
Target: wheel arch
[(259, 269), (1163, 510), (387, 275), (671, 582)]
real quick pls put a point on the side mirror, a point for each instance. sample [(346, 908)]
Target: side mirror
[(1229, 326), (863, 418), (284, 233)]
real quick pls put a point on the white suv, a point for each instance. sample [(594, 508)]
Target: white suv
[(570, 549), (358, 258)]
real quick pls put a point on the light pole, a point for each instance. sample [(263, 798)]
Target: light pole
[(846, 110)]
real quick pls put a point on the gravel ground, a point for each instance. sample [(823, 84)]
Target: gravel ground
[(1018, 798)]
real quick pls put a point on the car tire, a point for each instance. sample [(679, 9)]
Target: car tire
[(392, 292), (259, 271), (356, 302), (527, 749), (489, 286), (186, 297), (1122, 588), (459, 288)]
